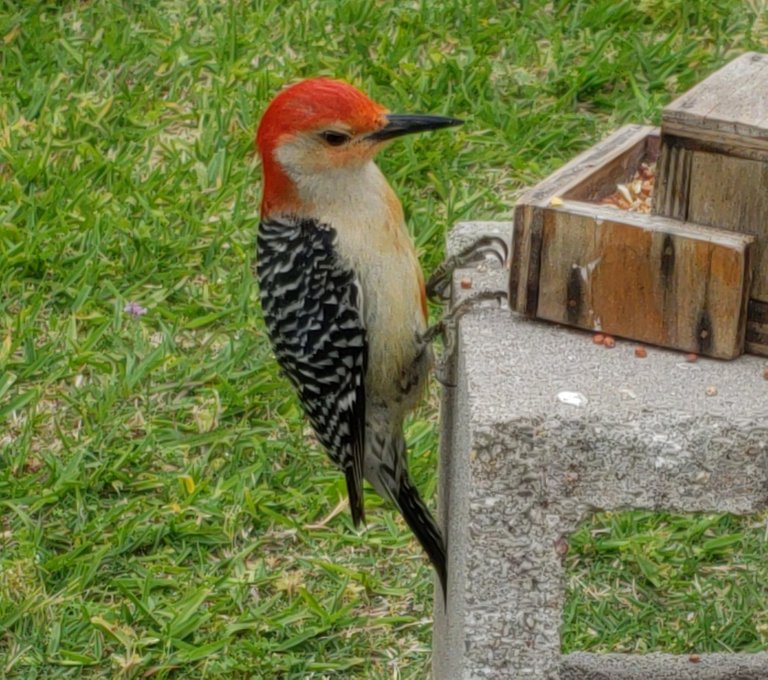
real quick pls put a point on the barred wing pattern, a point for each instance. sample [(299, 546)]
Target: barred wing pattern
[(312, 308)]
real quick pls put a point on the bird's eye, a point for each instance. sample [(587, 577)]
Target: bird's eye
[(333, 138)]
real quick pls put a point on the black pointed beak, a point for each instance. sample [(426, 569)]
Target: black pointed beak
[(399, 124)]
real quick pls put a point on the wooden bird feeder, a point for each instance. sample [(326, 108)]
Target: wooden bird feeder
[(685, 265)]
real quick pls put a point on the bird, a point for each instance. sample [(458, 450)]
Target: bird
[(341, 289)]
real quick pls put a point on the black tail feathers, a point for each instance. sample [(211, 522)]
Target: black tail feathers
[(424, 527), (355, 493)]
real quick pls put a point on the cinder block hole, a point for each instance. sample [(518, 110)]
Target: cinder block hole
[(644, 581)]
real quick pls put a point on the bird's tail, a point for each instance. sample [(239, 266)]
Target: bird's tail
[(386, 468), (424, 527)]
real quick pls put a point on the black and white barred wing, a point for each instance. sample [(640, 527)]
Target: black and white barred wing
[(312, 307)]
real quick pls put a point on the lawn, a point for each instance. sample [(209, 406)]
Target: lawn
[(163, 511)]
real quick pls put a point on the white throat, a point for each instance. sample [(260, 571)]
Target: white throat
[(353, 196)]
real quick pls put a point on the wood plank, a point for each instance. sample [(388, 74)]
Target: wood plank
[(568, 178), (645, 277), (673, 174), (714, 147), (757, 328), (730, 106), (592, 173), (524, 270), (732, 193), (737, 145), (618, 168)]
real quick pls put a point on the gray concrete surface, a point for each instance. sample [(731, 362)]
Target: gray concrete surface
[(581, 666), (543, 428)]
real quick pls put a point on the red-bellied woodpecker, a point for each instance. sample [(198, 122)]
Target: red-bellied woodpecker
[(341, 288)]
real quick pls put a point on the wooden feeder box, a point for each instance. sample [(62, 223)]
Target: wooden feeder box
[(713, 166), (691, 274)]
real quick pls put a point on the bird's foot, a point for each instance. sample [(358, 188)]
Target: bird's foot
[(439, 284), (447, 328)]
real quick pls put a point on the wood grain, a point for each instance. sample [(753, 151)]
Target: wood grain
[(716, 190), (673, 180), (713, 165), (591, 175), (757, 328), (728, 107), (732, 193), (644, 277), (662, 280)]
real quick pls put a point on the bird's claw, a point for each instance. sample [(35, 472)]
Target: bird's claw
[(447, 328), (439, 284)]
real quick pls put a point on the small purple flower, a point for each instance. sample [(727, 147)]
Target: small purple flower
[(134, 309)]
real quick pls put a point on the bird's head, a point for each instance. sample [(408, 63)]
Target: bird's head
[(321, 126)]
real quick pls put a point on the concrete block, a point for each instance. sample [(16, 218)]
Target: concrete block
[(543, 428), (581, 666)]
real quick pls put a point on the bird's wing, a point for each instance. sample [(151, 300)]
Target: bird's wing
[(312, 306)]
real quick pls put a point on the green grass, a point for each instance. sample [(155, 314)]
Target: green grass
[(162, 511), (644, 582)]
